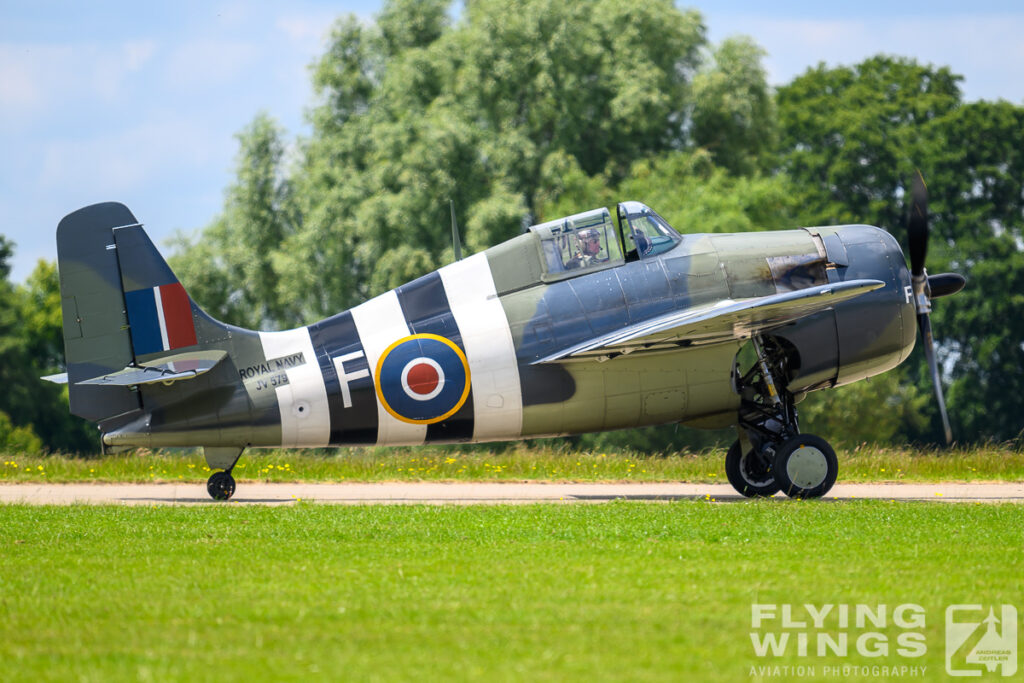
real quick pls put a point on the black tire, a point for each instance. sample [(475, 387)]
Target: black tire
[(748, 475), (220, 485), (806, 466)]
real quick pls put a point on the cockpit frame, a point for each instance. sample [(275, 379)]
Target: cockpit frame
[(645, 234), (567, 245)]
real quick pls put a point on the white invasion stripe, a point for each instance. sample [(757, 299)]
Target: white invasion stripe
[(305, 416), (160, 316), (380, 324), (497, 396)]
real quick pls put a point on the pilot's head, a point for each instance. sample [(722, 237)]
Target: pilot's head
[(590, 242)]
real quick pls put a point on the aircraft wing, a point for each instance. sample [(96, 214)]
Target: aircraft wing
[(163, 369), (717, 322)]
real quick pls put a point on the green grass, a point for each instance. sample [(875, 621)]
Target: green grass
[(619, 591), (517, 463)]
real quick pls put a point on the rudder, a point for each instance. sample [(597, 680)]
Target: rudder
[(160, 313)]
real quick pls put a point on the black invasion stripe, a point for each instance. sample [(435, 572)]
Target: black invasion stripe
[(425, 307), (356, 425)]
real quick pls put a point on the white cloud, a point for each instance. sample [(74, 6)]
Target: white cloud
[(34, 77), (207, 63), (986, 49), (311, 29), (19, 84), (108, 68), (232, 14), (137, 54), (126, 160)]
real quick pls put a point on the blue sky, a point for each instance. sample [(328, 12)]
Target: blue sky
[(140, 102)]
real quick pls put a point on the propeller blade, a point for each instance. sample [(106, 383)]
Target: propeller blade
[(927, 287), (917, 226), (945, 284), (456, 242), (925, 325)]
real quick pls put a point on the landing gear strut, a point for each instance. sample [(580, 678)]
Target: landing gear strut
[(771, 454)]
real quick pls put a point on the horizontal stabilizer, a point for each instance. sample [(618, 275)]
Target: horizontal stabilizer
[(179, 366), (59, 378), (718, 322)]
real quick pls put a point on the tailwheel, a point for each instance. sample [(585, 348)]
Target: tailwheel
[(220, 485), (805, 466), (751, 473)]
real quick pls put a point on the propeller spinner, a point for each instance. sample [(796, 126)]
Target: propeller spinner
[(928, 287)]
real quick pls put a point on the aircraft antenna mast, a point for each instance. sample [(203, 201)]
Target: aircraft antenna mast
[(456, 243)]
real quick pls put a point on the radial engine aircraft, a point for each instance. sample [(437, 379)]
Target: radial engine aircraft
[(579, 324)]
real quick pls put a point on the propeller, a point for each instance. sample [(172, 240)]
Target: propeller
[(927, 287)]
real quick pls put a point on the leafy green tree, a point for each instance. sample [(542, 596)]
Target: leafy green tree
[(881, 409), (852, 138), (33, 413), (686, 187), (229, 269), (15, 374), (657, 440), (412, 111), (47, 412), (733, 113), (526, 110), (41, 315), (409, 24), (382, 162), (978, 230), (18, 439), (696, 195), (603, 81)]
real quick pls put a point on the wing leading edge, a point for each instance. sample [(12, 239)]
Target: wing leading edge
[(721, 321)]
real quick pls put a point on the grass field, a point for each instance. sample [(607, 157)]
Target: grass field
[(552, 592), (435, 463)]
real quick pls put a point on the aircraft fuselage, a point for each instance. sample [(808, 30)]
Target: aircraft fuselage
[(454, 356)]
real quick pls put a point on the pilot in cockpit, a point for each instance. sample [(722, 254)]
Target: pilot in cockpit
[(589, 242)]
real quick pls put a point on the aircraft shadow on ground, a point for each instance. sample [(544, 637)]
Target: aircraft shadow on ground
[(658, 497), (210, 501), (597, 497)]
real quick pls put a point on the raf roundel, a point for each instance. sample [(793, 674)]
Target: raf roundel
[(422, 379)]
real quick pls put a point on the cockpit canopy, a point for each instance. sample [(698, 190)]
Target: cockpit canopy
[(644, 232), (588, 241), (582, 242)]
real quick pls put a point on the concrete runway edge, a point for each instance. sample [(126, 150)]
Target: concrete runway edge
[(471, 493)]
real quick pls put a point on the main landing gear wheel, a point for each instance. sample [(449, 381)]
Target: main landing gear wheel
[(806, 466), (750, 474), (220, 485)]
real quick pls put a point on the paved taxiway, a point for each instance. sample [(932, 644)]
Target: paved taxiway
[(472, 493)]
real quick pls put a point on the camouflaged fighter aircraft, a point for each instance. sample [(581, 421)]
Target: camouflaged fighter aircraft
[(577, 325)]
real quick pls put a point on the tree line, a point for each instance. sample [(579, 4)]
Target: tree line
[(523, 111)]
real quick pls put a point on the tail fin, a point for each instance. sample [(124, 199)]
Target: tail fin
[(96, 337), (121, 303)]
